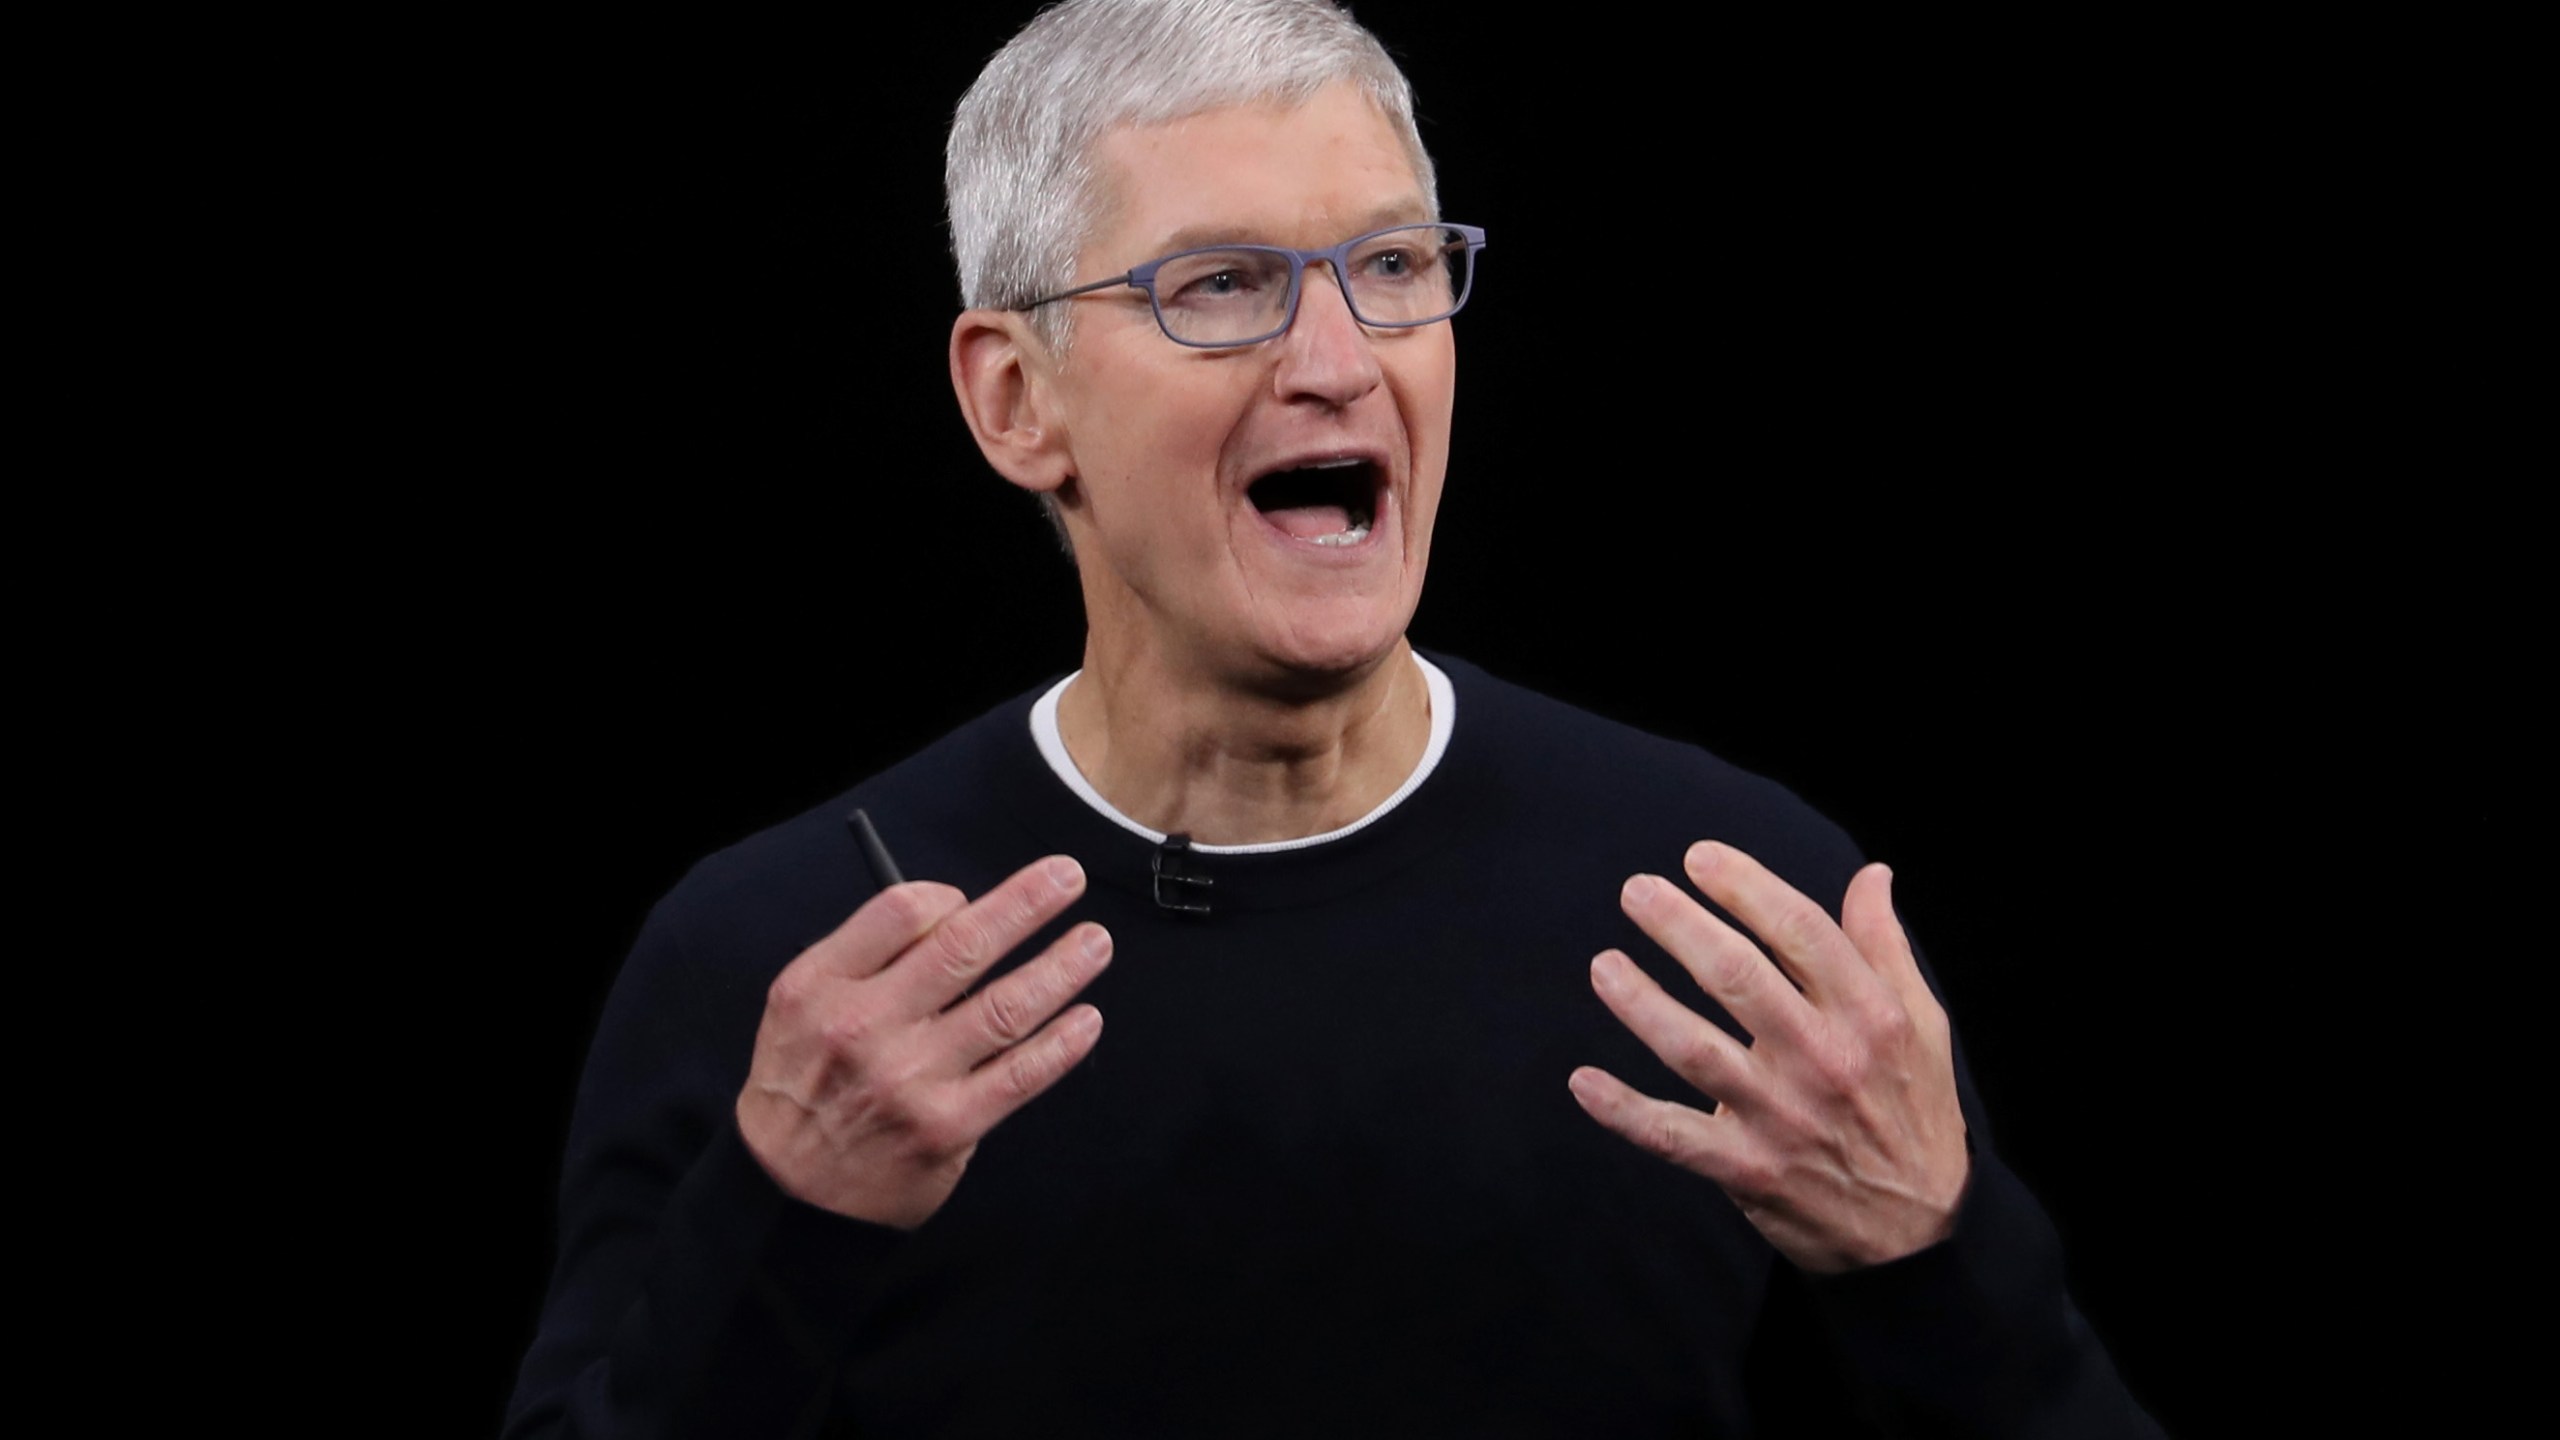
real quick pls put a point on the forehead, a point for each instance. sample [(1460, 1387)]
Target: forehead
[(1306, 174)]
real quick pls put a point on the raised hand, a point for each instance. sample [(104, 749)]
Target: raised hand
[(870, 1087), (1837, 1128)]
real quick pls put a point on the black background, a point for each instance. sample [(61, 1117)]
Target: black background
[(1943, 456)]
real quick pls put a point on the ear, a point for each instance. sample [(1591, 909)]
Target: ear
[(1005, 379)]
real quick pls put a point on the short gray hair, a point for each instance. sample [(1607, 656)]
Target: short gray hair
[(1018, 169)]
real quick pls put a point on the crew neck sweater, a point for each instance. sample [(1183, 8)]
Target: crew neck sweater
[(1321, 1174)]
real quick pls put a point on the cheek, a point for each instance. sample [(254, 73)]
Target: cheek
[(1178, 419), (1428, 405), (1428, 387)]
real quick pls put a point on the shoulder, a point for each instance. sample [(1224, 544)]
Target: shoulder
[(1608, 783), (782, 888)]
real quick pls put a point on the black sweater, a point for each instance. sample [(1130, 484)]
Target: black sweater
[(1321, 1175)]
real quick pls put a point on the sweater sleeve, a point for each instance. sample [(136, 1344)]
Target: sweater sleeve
[(692, 1296), (1975, 1336)]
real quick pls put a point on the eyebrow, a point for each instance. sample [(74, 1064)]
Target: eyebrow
[(1200, 237)]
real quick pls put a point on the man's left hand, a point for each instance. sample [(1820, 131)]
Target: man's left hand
[(1836, 1126)]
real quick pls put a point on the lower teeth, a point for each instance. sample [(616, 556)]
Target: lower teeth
[(1352, 536)]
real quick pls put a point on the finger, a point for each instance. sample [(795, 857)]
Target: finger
[(935, 970), (1868, 918), (886, 924), (1708, 1058), (1693, 1141), (1004, 1014), (1016, 1077), (1800, 935), (1723, 962)]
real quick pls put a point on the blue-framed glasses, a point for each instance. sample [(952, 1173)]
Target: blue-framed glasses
[(1226, 295)]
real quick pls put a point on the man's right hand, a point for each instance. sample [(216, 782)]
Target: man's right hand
[(870, 1087)]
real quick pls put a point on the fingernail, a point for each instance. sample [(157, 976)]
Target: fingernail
[(1638, 890), (1097, 944), (1581, 1084), (1604, 970), (1066, 874)]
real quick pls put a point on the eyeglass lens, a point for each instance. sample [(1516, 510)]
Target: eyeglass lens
[(1410, 276)]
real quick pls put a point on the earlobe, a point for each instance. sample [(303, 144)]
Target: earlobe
[(1003, 378)]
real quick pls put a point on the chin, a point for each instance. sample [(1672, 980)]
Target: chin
[(1321, 656)]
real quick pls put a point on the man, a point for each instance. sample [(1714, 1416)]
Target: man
[(1334, 1168)]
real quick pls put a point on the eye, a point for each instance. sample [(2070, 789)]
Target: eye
[(1223, 282), (1395, 265), (1221, 278)]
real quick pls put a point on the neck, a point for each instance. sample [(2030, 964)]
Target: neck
[(1230, 765)]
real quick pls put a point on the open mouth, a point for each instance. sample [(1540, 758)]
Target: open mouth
[(1331, 502)]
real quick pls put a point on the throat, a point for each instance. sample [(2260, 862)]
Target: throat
[(1231, 768)]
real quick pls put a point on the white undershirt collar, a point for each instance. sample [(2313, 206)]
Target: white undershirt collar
[(1053, 748)]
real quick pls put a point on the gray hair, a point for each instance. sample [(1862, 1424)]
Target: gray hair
[(1018, 170)]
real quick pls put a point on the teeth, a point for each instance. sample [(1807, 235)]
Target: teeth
[(1353, 536)]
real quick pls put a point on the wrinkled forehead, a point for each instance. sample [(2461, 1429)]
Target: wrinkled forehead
[(1279, 171)]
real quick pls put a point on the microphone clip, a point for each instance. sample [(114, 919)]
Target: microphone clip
[(1171, 878)]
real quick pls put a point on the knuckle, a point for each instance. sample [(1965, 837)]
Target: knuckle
[(1845, 1061), (1799, 926), (1006, 1012), (896, 1094), (850, 1030), (935, 1126), (908, 908), (1660, 1136), (1028, 1069), (1751, 1176), (1026, 1073), (1025, 906), (1734, 970), (789, 992), (964, 943), (1696, 1053)]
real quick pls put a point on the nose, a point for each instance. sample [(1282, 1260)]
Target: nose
[(1326, 355)]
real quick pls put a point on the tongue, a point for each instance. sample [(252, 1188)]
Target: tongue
[(1306, 522)]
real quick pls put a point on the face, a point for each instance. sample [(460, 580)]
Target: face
[(1217, 494)]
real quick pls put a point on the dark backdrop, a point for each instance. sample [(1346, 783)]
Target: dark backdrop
[(1919, 458)]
